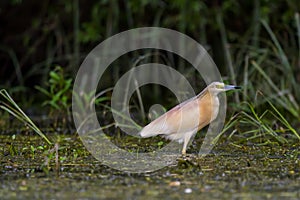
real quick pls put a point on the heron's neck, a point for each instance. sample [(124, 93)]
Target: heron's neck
[(215, 103), (215, 106)]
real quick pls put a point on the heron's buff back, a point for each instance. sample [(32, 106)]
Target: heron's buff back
[(184, 117)]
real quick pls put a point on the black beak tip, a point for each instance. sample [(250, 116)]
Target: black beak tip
[(237, 87)]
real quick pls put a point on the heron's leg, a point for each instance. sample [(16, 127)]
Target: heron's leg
[(187, 137)]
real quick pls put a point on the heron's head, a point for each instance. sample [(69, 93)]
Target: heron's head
[(217, 87)]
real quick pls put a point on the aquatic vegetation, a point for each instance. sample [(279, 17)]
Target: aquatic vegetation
[(261, 128), (59, 91), (9, 105)]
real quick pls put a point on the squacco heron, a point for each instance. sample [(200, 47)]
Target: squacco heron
[(184, 120)]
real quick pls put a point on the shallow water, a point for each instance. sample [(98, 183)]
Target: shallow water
[(233, 172)]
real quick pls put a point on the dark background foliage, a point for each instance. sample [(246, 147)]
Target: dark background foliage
[(38, 35)]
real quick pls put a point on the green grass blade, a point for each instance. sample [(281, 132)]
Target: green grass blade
[(282, 55), (17, 112), (284, 121)]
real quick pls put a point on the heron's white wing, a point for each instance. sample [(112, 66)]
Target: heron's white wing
[(182, 118)]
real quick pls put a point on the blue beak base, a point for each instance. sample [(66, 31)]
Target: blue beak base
[(232, 87)]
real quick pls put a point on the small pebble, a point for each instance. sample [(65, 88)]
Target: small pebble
[(188, 190), (174, 183)]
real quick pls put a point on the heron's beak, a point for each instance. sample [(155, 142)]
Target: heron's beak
[(232, 87)]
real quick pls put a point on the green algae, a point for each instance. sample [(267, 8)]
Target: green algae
[(228, 172)]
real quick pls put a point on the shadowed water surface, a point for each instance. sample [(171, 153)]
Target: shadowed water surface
[(28, 170)]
